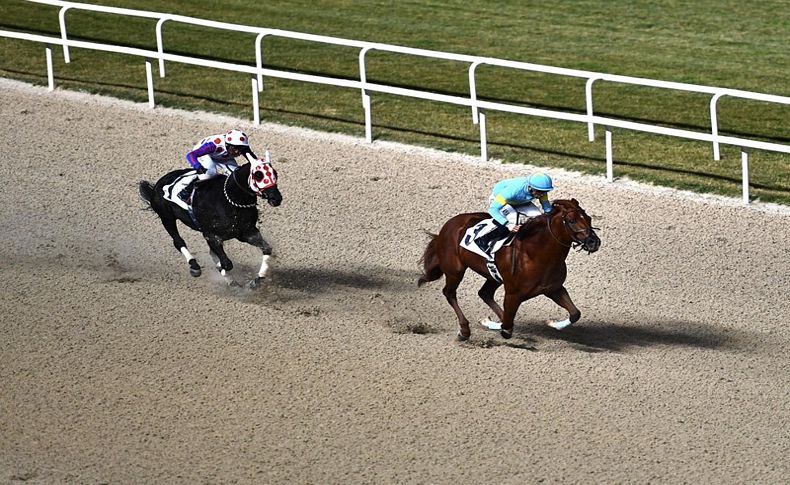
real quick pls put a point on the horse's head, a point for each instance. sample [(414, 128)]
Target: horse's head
[(577, 224), (263, 181)]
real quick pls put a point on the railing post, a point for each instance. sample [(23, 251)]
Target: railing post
[(256, 114), (609, 156), (259, 58), (473, 90), (160, 47), (50, 69), (714, 125), (589, 101), (365, 98), (483, 136), (745, 172), (62, 21), (149, 79), (478, 115)]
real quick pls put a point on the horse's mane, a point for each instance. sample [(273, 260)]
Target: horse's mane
[(533, 226), (539, 223)]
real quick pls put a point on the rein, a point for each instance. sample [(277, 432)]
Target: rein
[(227, 197), (574, 241)]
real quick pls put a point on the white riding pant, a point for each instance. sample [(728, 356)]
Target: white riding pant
[(213, 167), (517, 215)]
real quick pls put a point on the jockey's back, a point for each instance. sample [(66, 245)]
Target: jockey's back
[(215, 147)]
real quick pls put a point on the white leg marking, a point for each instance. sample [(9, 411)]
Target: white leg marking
[(491, 324), (264, 266), (186, 254), (560, 324)]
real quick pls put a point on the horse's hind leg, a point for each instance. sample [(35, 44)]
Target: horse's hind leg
[(452, 281), (254, 238), (563, 299), (181, 245), (486, 293)]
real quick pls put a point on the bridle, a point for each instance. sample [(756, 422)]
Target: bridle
[(575, 241)]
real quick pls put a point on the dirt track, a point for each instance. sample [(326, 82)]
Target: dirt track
[(116, 366)]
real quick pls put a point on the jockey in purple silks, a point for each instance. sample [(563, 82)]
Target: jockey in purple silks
[(505, 200), (213, 150)]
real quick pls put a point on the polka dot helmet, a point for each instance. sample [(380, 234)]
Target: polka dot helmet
[(237, 138)]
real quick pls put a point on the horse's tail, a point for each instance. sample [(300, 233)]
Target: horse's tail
[(430, 262), (146, 191)]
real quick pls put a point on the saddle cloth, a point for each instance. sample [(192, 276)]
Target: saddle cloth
[(479, 229), (172, 190), (483, 227)]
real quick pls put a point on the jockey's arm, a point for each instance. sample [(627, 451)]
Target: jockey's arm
[(205, 149), (497, 203), (544, 202)]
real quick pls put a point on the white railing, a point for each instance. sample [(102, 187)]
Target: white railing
[(478, 107)]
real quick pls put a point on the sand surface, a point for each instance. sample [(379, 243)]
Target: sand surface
[(116, 366)]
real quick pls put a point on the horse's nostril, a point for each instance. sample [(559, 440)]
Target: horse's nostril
[(593, 243)]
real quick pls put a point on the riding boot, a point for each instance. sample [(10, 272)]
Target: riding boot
[(486, 241), (186, 193)]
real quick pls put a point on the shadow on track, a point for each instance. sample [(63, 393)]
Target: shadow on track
[(317, 280), (610, 337)]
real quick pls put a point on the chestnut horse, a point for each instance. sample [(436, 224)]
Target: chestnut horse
[(533, 264)]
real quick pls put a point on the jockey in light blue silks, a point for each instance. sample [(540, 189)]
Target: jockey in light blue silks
[(505, 200), (213, 150)]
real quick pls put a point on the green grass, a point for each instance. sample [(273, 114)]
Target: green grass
[(734, 44)]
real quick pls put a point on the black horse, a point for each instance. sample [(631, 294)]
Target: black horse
[(223, 208)]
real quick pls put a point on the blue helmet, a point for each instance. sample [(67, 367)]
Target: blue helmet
[(540, 181)]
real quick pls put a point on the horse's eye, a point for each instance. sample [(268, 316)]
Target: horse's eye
[(258, 176)]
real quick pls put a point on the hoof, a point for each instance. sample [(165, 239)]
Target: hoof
[(194, 268), (505, 333), (255, 283), (462, 338)]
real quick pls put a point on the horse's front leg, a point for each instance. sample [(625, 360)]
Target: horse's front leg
[(224, 264), (486, 293), (254, 238), (563, 299), (512, 302)]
